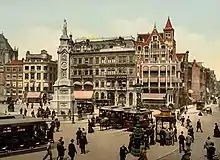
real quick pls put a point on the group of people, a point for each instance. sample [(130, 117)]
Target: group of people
[(168, 136)]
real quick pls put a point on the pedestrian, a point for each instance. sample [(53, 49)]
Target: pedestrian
[(181, 142), (84, 135), (143, 155), (186, 155), (182, 120), (21, 111), (123, 152), (188, 142), (61, 151), (191, 132), (211, 151), (207, 144), (59, 147), (199, 126), (57, 123), (49, 151), (82, 144), (188, 121), (175, 133), (25, 112), (78, 135), (72, 150)]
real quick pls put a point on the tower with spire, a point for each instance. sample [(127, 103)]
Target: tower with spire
[(63, 88)]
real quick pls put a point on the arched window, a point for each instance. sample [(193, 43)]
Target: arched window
[(102, 84), (173, 70), (139, 48), (146, 48), (131, 83), (96, 95), (102, 95)]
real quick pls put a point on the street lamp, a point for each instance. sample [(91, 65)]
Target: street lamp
[(138, 134)]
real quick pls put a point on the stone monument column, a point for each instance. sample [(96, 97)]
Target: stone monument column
[(63, 88)]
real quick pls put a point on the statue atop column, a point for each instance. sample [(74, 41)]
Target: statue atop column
[(65, 27)]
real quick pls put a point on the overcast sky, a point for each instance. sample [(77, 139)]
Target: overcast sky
[(37, 24)]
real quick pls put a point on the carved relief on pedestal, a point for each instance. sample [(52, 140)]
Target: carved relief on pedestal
[(63, 91), (63, 73)]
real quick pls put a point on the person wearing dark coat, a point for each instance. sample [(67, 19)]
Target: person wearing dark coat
[(82, 144), (25, 112), (72, 150), (123, 152), (62, 150), (78, 135), (211, 151), (59, 147), (90, 129), (21, 111)]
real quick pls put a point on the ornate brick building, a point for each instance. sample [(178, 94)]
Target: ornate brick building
[(157, 66)]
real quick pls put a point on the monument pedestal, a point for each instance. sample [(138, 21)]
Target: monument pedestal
[(63, 99)]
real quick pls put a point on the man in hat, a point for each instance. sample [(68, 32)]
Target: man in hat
[(72, 150)]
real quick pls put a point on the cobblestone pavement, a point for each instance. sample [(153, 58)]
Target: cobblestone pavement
[(197, 148), (103, 145)]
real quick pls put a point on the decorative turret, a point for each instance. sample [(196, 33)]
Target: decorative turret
[(168, 30)]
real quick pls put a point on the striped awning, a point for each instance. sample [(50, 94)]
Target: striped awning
[(88, 83), (77, 83)]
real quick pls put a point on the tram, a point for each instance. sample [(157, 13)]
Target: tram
[(19, 133)]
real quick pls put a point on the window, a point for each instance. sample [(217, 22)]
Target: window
[(154, 38), (32, 76), (32, 88), (97, 84), (75, 73), (38, 68), (124, 59), (8, 69), (51, 69), (20, 92), (86, 72), (86, 60), (139, 48), (38, 89), (26, 67), (168, 35), (131, 83), (102, 72), (8, 76), (79, 72), (80, 60), (131, 70), (32, 67), (45, 68), (38, 76), (102, 60), (131, 59), (14, 69), (103, 84), (19, 76), (50, 77), (91, 60), (26, 76), (96, 72), (97, 60), (19, 84), (45, 76), (91, 72), (75, 61), (14, 76), (8, 84), (20, 69), (146, 49)]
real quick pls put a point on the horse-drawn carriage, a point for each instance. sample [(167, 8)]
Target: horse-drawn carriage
[(118, 117)]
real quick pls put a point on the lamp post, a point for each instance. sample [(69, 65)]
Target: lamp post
[(138, 134), (73, 106)]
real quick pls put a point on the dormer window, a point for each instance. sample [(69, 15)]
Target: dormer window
[(154, 38)]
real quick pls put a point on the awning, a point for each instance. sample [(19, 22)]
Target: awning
[(155, 96), (88, 83), (79, 95), (77, 83), (33, 95), (26, 85), (46, 85)]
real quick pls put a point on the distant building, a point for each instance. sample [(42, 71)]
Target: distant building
[(157, 67), (39, 73), (14, 79), (7, 54)]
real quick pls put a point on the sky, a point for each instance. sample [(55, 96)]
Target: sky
[(34, 25)]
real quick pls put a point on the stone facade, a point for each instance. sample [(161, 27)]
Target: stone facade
[(39, 73)]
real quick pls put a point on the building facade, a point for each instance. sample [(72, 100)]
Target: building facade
[(105, 66), (14, 79), (39, 73), (7, 54), (157, 66)]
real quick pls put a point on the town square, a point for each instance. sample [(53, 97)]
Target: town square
[(88, 80)]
